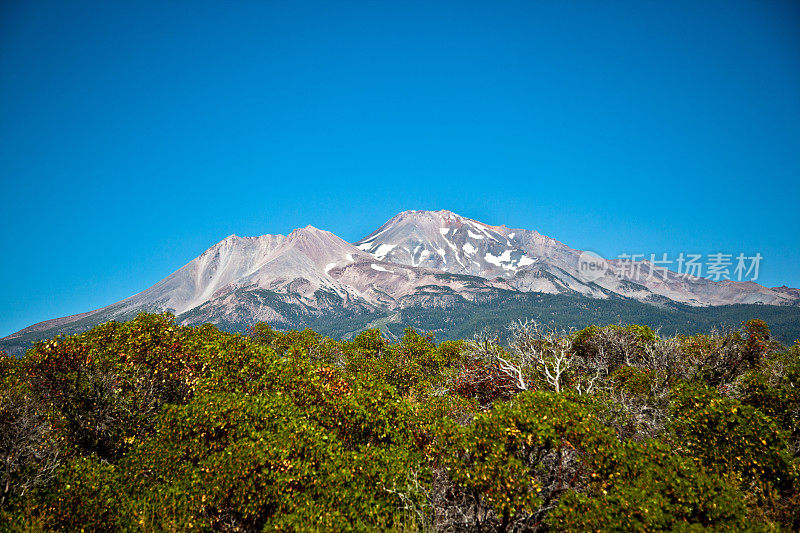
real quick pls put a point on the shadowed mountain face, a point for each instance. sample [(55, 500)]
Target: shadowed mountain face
[(421, 260)]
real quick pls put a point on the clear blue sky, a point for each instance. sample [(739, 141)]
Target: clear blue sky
[(134, 135)]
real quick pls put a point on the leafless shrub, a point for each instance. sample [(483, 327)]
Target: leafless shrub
[(414, 506), (665, 356), (643, 417), (610, 347), (540, 351), (481, 376), (718, 358), (484, 348), (536, 358), (455, 508), (28, 453), (637, 413)]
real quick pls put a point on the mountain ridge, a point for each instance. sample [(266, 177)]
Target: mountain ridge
[(445, 240), (416, 259)]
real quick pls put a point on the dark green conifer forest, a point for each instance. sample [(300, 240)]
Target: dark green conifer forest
[(147, 425)]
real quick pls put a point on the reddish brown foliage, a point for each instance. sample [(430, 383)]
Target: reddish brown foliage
[(484, 381)]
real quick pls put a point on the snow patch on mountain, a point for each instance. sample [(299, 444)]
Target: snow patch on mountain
[(383, 250), (505, 257), (380, 268)]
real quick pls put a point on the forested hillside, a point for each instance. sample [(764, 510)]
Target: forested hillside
[(452, 317), (151, 426)]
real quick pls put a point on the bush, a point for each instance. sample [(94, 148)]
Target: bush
[(104, 386), (738, 441), (260, 462), (610, 347), (651, 489), (148, 425), (774, 389), (519, 459), (29, 450), (484, 382)]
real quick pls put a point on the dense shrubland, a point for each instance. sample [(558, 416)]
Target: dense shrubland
[(151, 426)]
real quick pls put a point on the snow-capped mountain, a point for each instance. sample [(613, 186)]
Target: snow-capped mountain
[(317, 270), (244, 280), (529, 261), (449, 242), (416, 260)]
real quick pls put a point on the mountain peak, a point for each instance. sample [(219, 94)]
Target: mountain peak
[(444, 217), (309, 231), (232, 238), (421, 213), (318, 243), (447, 241), (448, 217)]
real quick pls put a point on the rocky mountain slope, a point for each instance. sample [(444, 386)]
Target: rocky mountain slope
[(529, 261), (418, 260)]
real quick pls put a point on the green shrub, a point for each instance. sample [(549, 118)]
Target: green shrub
[(733, 439), (774, 389), (651, 489), (257, 462), (148, 425), (105, 385), (85, 495), (522, 456)]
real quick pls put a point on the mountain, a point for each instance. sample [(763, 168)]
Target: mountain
[(526, 260), (529, 261), (317, 272), (309, 273), (429, 269)]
